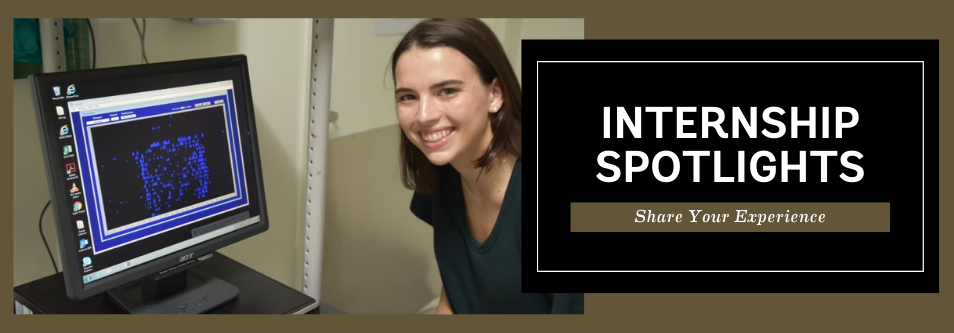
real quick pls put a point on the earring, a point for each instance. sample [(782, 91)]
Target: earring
[(493, 110)]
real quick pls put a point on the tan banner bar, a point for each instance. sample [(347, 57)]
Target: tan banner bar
[(730, 217)]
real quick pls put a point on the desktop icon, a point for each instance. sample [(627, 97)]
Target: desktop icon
[(59, 111), (87, 261), (83, 243), (70, 168), (75, 189), (71, 90), (77, 206), (65, 130), (79, 224), (56, 90), (67, 149)]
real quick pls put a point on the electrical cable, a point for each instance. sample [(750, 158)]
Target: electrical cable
[(142, 39), (55, 270), (144, 57)]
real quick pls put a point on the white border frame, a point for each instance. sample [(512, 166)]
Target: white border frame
[(774, 271)]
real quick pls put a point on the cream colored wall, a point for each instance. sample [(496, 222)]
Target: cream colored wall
[(30, 260), (543, 29), (362, 88), (378, 257), (359, 77), (278, 52)]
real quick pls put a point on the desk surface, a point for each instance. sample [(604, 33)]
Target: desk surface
[(257, 293)]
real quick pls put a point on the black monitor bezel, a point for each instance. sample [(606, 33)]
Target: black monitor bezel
[(69, 258)]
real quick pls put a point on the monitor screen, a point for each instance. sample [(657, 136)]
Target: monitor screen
[(148, 166)]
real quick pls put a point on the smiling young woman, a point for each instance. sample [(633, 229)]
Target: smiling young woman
[(458, 104)]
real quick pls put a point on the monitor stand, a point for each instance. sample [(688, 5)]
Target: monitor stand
[(184, 292)]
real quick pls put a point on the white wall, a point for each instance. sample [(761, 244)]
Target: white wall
[(362, 90), (360, 79), (541, 29), (378, 257), (278, 52)]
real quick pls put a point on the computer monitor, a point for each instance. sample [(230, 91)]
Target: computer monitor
[(151, 168)]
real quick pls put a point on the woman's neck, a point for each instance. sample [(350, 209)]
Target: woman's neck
[(483, 183)]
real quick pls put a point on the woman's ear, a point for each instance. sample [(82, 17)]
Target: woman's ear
[(496, 96)]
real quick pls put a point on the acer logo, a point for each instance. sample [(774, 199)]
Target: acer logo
[(186, 257), (191, 305)]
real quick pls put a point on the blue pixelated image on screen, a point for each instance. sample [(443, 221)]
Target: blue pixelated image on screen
[(171, 169), (176, 161), (156, 168)]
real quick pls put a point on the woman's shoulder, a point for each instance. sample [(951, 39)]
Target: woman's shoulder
[(424, 204)]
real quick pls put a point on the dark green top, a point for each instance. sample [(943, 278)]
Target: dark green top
[(483, 278)]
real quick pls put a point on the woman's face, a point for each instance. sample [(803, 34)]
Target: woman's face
[(443, 105)]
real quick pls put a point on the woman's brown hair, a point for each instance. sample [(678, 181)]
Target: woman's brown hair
[(476, 41)]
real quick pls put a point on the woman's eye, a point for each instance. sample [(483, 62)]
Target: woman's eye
[(448, 91), (403, 98)]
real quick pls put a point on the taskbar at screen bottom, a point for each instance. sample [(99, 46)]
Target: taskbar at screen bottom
[(114, 269)]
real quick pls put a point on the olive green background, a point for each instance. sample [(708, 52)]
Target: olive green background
[(604, 20)]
